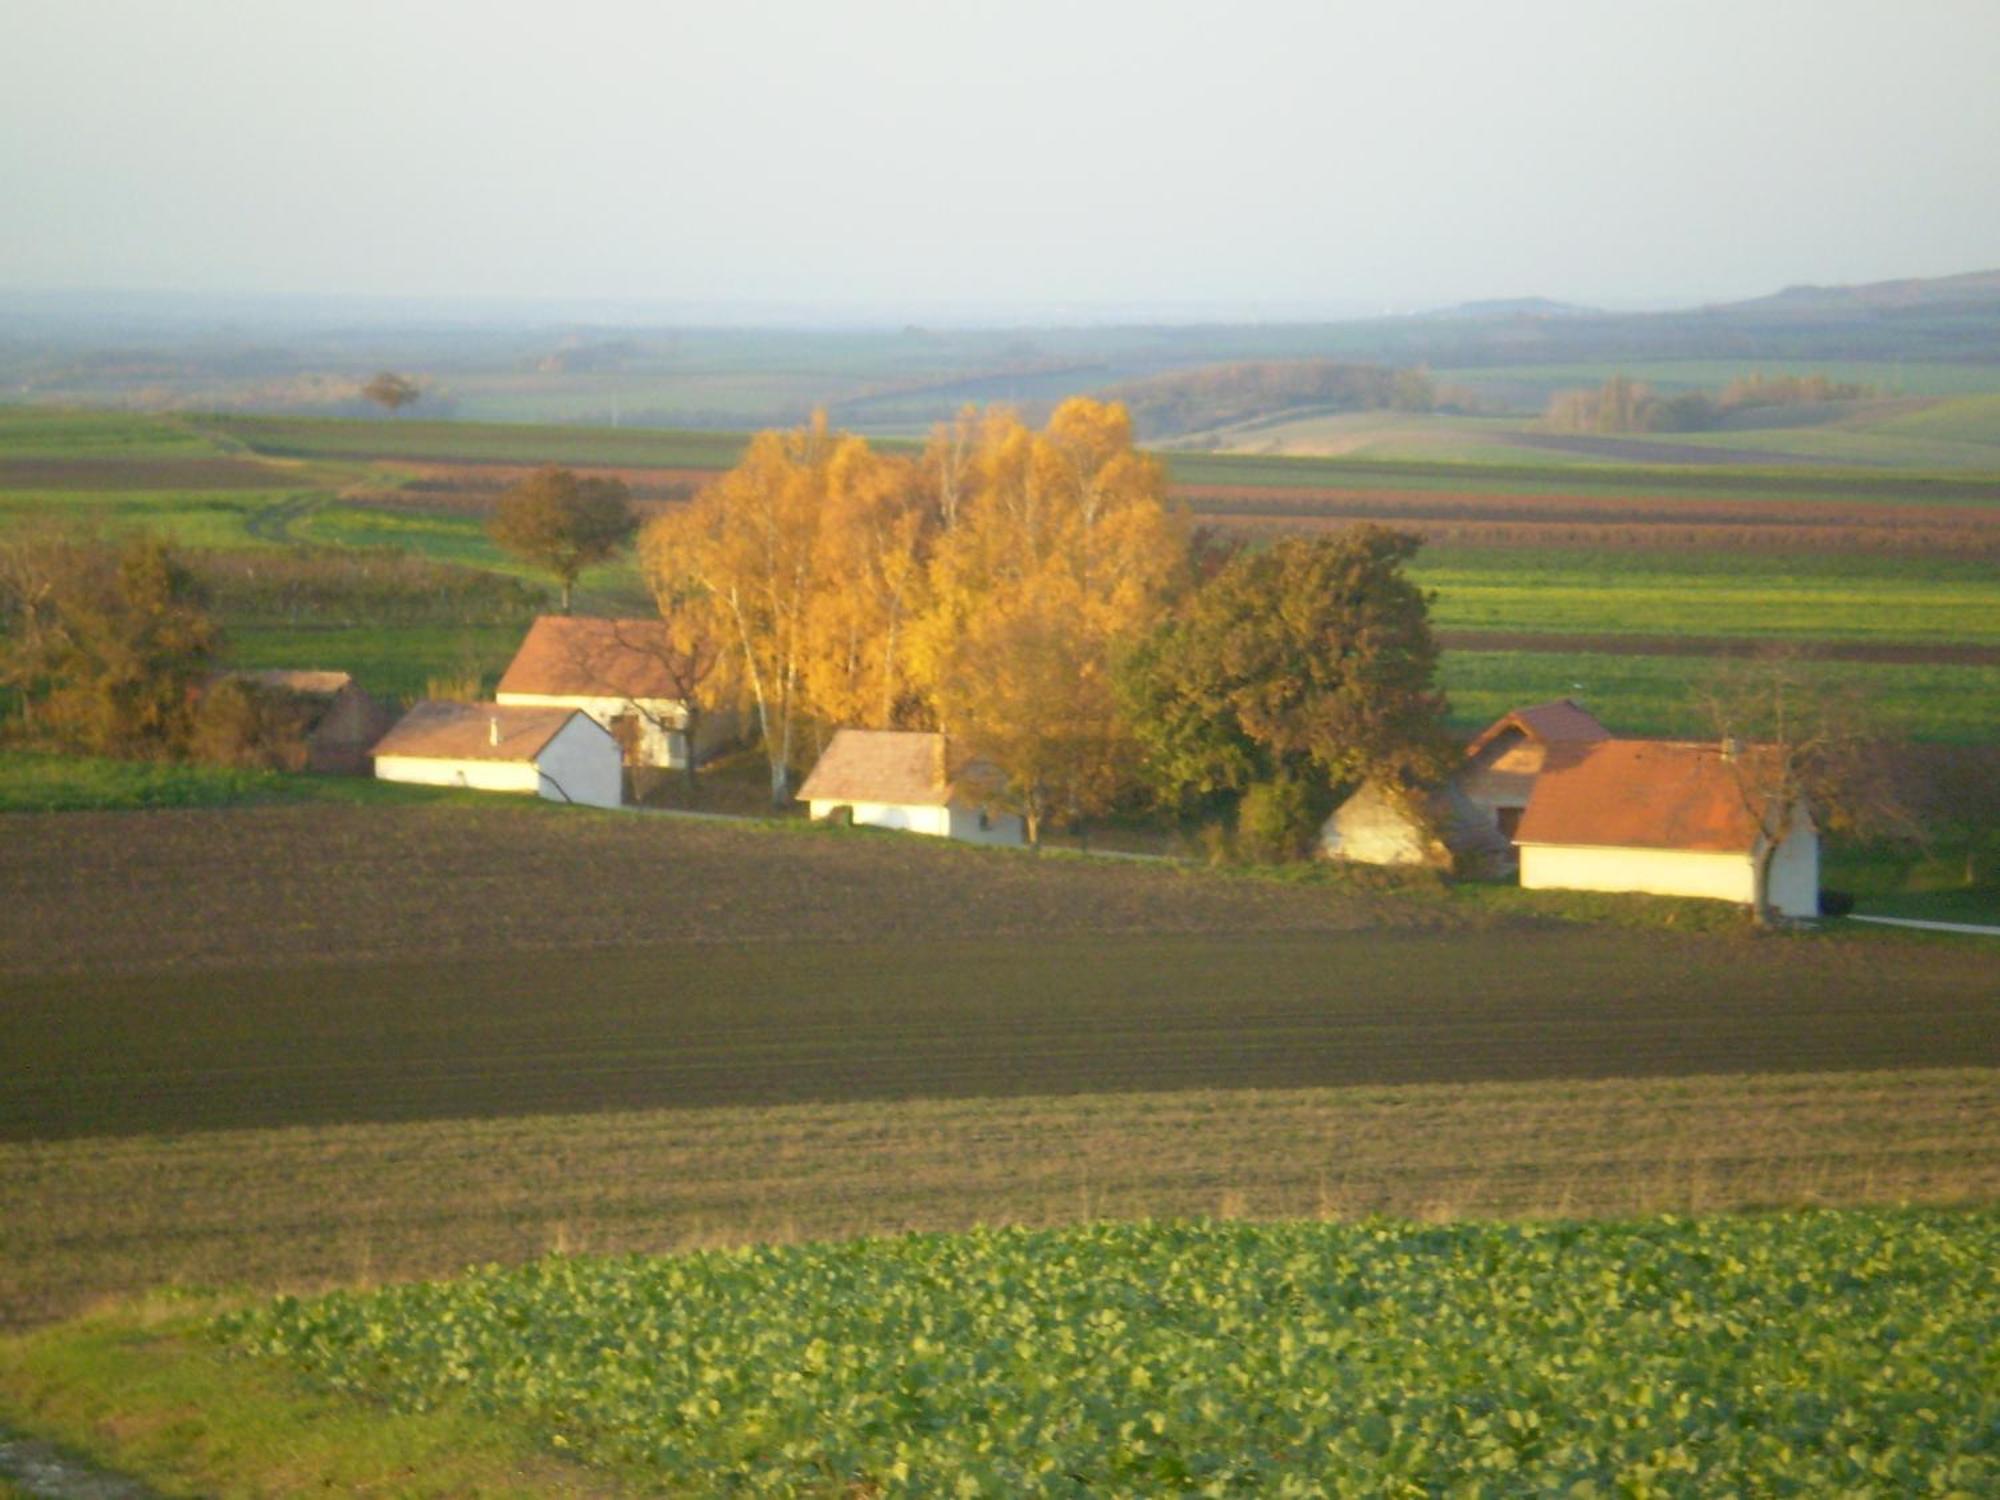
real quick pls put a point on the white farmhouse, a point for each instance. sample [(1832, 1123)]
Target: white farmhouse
[(1666, 817), (558, 753), (616, 671), (898, 779)]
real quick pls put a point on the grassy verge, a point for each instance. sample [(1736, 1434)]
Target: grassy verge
[(298, 1208), (145, 1393), (38, 781)]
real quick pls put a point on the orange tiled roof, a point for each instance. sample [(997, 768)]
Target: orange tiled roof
[(571, 656), (1645, 794), (438, 730), (1565, 721)]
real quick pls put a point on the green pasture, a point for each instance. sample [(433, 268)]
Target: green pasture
[(1635, 591), (392, 661), (35, 781), (476, 442), (216, 518), (1655, 695), (72, 432)]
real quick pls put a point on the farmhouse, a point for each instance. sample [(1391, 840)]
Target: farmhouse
[(1505, 758), (340, 723), (617, 672), (896, 779), (559, 753), (1666, 817)]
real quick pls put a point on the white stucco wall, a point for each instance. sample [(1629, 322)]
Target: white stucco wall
[(1679, 872), (659, 745), (480, 775), (910, 818), (1660, 872), (582, 764), (1795, 871)]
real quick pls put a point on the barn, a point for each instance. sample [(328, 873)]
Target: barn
[(881, 778), (1672, 818), (619, 672), (342, 721), (558, 753), (1504, 759)]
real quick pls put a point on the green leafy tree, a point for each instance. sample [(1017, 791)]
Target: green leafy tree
[(1311, 663), (104, 649), (564, 523)]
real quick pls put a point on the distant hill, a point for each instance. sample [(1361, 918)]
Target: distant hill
[(1973, 288)]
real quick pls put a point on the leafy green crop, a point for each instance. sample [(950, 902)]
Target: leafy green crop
[(1815, 1354)]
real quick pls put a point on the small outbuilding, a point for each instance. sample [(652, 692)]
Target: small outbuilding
[(881, 778), (332, 722), (1668, 817), (1504, 759), (618, 672), (1437, 828), (558, 753)]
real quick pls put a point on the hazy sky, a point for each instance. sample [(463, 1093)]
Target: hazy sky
[(890, 156)]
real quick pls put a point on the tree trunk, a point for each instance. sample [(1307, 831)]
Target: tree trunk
[(1760, 888), (690, 737)]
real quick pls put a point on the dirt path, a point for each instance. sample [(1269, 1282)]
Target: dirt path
[(47, 1472)]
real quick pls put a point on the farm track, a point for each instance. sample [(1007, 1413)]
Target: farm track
[(273, 523)]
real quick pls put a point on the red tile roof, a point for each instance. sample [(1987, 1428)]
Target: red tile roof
[(1565, 721), (571, 656), (899, 767), (437, 730), (1643, 794)]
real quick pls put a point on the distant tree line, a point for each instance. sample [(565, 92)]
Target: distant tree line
[(1625, 405), (1222, 395)]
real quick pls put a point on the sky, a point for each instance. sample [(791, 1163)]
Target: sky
[(894, 159)]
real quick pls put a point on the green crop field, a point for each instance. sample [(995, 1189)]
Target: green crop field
[(1657, 695), (1824, 597), (1822, 1353)]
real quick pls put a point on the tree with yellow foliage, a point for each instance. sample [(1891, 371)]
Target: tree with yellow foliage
[(766, 550), (1058, 553)]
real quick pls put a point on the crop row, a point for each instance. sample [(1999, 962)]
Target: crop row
[(1801, 1354)]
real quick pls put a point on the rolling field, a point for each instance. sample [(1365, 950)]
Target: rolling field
[(291, 1207), (1622, 584), (297, 1043)]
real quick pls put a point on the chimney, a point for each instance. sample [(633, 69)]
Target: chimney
[(493, 729), (943, 763), (1731, 747)]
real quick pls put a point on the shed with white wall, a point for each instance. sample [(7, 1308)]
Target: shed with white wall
[(1670, 819), (557, 753), (910, 781)]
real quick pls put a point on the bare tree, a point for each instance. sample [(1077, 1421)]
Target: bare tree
[(1799, 746)]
